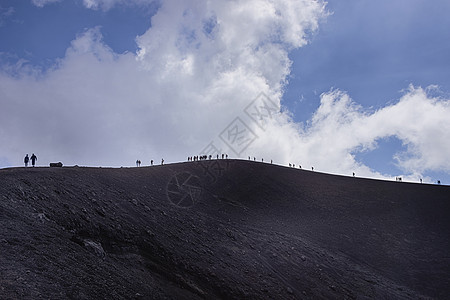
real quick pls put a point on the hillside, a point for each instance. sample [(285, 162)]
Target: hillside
[(219, 229)]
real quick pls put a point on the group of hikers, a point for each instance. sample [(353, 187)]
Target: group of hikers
[(299, 166), (33, 160), (262, 160), (138, 162), (205, 157), (27, 159)]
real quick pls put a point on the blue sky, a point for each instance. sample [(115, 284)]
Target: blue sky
[(373, 50), (370, 51), (42, 34)]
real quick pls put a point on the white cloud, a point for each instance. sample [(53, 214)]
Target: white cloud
[(5, 13), (97, 4), (340, 128), (42, 3), (199, 66), (108, 4)]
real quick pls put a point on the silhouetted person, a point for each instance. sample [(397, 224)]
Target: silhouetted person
[(299, 167), (138, 163), (26, 160), (151, 162), (312, 168), (210, 156), (438, 182), (226, 156), (249, 158), (420, 180), (262, 159), (217, 156), (353, 174), (162, 161), (290, 165), (254, 158), (270, 161), (33, 159)]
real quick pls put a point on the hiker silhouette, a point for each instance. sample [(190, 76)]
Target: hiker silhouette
[(33, 159), (26, 160)]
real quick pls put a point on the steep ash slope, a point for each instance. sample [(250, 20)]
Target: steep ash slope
[(219, 229)]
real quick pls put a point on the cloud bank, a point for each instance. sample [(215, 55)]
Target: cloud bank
[(206, 73)]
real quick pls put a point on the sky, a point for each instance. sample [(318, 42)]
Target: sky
[(345, 87)]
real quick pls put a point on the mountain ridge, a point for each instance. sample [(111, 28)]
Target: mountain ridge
[(219, 229)]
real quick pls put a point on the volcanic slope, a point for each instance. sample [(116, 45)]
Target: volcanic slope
[(219, 229)]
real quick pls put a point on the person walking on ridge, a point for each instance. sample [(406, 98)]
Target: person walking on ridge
[(33, 159), (26, 160)]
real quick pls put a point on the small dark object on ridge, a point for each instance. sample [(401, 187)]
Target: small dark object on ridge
[(56, 165)]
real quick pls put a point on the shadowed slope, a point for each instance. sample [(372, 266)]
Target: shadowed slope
[(219, 229)]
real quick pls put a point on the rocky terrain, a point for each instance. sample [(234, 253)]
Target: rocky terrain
[(219, 229)]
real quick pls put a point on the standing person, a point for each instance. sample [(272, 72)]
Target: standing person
[(33, 159), (26, 160), (151, 162), (162, 161)]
